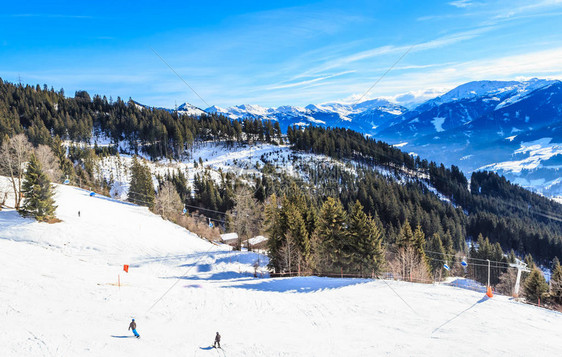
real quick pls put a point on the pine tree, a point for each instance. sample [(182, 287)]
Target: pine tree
[(556, 280), (419, 248), (535, 286), (274, 226), (141, 189), (298, 235), (406, 236), (332, 235), (511, 258), (38, 192), (530, 262), (365, 238), (435, 246), (448, 243), (419, 241)]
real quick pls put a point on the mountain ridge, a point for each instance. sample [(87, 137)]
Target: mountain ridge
[(475, 125)]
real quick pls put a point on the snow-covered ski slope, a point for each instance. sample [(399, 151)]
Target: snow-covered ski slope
[(59, 297)]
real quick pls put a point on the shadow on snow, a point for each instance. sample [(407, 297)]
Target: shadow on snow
[(468, 284), (307, 284), (484, 298), (226, 275)]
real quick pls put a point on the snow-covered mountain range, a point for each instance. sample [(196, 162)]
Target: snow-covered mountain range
[(364, 116), (512, 127)]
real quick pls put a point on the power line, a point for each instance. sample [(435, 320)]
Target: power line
[(180, 77), (405, 302), (178, 279), (472, 264), (212, 219), (384, 74), (549, 215), (192, 206), (467, 258), (206, 209)]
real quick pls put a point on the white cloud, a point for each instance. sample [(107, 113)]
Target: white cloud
[(541, 63), (527, 8), (414, 87), (439, 42), (405, 88), (310, 81), (461, 3)]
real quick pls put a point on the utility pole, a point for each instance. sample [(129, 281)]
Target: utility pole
[(520, 267), (488, 272)]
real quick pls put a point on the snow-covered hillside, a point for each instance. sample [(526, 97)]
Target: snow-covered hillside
[(475, 125), (60, 297), (480, 124), (512, 128), (216, 157)]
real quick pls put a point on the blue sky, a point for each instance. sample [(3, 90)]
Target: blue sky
[(275, 53)]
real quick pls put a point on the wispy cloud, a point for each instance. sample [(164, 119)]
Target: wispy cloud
[(461, 3), (494, 12), (544, 64), (541, 63), (527, 8), (398, 50), (412, 87), (421, 66), (310, 81)]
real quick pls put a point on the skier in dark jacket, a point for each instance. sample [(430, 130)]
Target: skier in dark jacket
[(133, 326), (217, 340)]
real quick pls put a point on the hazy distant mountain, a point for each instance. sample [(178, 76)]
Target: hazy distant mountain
[(512, 127)]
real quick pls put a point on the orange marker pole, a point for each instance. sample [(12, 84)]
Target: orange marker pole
[(119, 280)]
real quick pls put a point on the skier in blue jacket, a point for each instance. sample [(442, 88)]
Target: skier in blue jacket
[(133, 326)]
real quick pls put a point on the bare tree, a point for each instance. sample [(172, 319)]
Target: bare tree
[(49, 163), (3, 198), (290, 254), (198, 226), (246, 216), (14, 153), (407, 264), (168, 202), (507, 282)]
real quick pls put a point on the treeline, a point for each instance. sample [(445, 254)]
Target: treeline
[(347, 144), (403, 231), (505, 213), (42, 113), (305, 239)]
